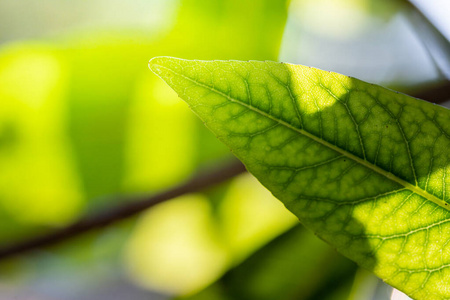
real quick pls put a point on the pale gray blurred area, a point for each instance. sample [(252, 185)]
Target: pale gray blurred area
[(48, 275), (30, 19), (377, 49), (437, 11), (117, 290)]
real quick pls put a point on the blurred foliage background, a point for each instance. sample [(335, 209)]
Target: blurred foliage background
[(83, 121)]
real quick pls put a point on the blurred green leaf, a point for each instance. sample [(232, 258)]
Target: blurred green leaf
[(176, 247), (160, 139), (233, 29), (33, 147), (289, 267), (250, 217)]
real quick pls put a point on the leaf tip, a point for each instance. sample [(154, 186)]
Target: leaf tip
[(155, 63), (164, 66)]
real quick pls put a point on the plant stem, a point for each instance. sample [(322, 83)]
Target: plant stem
[(103, 218)]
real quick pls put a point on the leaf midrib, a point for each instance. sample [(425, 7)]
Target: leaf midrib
[(389, 175)]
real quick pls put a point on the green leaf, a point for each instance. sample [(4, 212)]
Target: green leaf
[(366, 168)]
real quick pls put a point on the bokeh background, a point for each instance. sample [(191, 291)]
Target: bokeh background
[(83, 123)]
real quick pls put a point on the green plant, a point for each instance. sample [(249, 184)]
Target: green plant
[(90, 140), (366, 168)]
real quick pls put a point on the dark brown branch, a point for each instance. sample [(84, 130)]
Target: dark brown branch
[(436, 94), (104, 218)]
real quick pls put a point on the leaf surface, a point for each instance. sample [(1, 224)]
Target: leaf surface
[(366, 168)]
